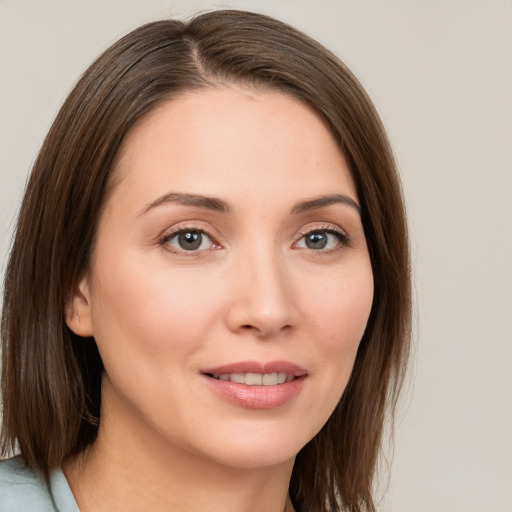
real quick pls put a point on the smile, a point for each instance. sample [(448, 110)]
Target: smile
[(256, 385), (255, 379)]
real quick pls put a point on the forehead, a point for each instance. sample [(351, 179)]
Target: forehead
[(225, 140)]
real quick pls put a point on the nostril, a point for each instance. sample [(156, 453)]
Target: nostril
[(262, 331), (248, 328)]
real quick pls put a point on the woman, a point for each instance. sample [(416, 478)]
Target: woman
[(207, 301)]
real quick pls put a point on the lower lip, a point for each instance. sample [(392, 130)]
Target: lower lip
[(257, 397)]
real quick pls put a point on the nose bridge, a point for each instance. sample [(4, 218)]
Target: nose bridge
[(262, 299)]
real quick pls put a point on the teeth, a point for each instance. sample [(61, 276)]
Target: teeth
[(238, 378), (253, 379), (270, 379), (256, 379)]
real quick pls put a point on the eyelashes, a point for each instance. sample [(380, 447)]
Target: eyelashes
[(322, 239), (192, 240), (189, 240)]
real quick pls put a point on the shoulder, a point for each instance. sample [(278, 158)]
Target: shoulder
[(23, 489)]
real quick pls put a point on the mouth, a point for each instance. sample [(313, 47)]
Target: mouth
[(257, 385), (256, 373), (254, 379)]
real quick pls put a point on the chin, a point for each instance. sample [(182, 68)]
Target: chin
[(256, 457), (255, 448)]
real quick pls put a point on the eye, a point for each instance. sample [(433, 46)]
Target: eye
[(189, 240), (322, 239)]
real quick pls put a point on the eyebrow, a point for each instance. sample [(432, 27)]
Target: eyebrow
[(322, 201), (221, 206), (197, 200)]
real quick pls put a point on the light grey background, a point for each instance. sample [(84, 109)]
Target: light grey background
[(440, 74)]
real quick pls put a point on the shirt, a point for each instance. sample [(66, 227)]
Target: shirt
[(25, 490)]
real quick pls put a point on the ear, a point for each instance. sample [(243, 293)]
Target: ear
[(78, 310)]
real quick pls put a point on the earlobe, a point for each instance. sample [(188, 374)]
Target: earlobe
[(78, 310)]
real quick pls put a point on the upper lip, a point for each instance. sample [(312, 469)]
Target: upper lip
[(257, 367)]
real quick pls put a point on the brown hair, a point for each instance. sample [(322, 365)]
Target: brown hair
[(51, 378)]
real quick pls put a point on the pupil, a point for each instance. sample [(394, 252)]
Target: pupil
[(316, 240), (190, 240)]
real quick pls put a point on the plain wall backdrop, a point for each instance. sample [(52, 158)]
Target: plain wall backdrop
[(440, 74)]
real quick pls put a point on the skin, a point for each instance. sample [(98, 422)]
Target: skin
[(161, 314)]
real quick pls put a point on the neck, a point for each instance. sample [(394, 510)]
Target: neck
[(153, 474)]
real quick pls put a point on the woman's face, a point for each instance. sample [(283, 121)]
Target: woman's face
[(230, 282)]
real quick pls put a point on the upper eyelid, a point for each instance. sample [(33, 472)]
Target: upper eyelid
[(170, 232), (323, 227), (343, 237), (211, 232), (165, 238)]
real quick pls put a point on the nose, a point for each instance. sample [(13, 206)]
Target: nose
[(262, 301)]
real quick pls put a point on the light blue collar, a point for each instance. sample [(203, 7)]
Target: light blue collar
[(62, 496)]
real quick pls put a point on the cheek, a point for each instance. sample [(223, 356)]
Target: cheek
[(341, 308), (338, 314), (149, 311)]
